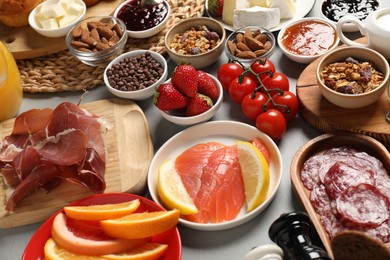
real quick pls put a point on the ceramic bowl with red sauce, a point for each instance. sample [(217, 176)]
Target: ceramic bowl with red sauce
[(306, 39), (143, 21)]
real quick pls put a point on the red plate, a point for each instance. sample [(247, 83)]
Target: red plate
[(34, 249)]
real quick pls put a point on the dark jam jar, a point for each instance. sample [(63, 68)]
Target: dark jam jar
[(335, 9), (139, 18)]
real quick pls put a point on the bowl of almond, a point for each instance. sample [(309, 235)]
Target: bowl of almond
[(97, 40), (250, 43)]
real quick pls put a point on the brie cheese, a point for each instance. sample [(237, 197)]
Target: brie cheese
[(286, 7), (256, 15), (228, 9)]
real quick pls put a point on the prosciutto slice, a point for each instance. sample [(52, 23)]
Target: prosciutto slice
[(49, 146)]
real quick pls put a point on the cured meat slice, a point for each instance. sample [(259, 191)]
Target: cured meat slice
[(320, 200), (363, 205), (310, 171), (343, 175)]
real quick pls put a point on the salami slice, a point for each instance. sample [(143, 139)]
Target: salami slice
[(320, 200), (345, 174), (363, 205)]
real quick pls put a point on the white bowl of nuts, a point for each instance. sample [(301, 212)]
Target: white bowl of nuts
[(54, 18), (97, 40), (250, 43), (353, 77), (135, 74), (197, 41)]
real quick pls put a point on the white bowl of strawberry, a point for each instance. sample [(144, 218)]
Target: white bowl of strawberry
[(189, 97)]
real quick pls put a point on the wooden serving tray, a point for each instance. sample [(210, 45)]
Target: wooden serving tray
[(130, 151), (322, 143), (329, 118), (25, 43)]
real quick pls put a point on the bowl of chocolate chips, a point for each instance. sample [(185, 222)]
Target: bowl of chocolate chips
[(135, 74)]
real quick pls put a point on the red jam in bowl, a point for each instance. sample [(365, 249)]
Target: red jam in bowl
[(309, 38), (140, 18)]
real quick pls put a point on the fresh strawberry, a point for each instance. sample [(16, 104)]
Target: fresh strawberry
[(215, 7), (185, 79), (167, 97), (198, 104), (207, 86)]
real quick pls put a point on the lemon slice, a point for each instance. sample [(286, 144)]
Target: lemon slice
[(172, 191), (255, 174)]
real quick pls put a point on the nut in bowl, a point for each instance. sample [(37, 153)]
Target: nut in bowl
[(189, 97), (250, 43), (97, 40), (197, 41), (135, 74), (361, 77), (55, 18), (306, 39), (143, 21)]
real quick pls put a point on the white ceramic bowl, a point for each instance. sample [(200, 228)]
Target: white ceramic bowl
[(351, 100), (197, 60), (149, 32), (142, 93), (53, 32), (232, 37), (305, 59), (225, 132), (191, 120)]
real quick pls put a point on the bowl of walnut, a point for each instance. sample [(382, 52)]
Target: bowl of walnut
[(97, 40), (196, 41), (352, 77), (250, 43)]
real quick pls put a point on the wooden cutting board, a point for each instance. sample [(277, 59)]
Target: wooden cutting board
[(25, 43), (329, 118), (130, 151)]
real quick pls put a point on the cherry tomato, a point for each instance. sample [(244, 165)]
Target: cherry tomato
[(261, 66), (287, 99), (238, 90), (279, 80), (227, 73), (272, 123), (252, 105)]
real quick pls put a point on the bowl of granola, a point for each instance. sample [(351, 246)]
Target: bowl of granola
[(353, 77), (197, 41)]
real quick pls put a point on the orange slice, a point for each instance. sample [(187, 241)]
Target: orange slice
[(55, 252), (102, 212), (141, 225), (147, 251)]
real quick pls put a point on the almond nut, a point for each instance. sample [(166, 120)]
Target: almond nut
[(261, 52), (232, 47), (253, 44), (246, 55), (242, 46)]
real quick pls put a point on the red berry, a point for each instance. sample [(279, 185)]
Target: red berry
[(198, 105), (167, 97), (185, 79), (207, 86)]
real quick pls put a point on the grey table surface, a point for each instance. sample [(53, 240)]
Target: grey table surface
[(228, 244)]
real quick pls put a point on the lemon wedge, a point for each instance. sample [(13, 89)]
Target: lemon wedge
[(255, 174), (172, 191)]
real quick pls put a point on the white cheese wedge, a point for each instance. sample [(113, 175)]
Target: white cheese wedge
[(67, 19), (50, 24), (256, 15), (286, 7), (228, 9), (262, 3)]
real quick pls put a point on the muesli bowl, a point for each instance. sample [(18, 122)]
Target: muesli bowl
[(207, 31), (347, 96)]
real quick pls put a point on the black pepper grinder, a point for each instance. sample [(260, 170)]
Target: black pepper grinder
[(292, 233)]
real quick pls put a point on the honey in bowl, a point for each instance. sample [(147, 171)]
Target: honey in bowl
[(11, 91), (309, 38)]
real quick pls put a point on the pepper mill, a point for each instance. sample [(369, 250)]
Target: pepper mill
[(292, 233)]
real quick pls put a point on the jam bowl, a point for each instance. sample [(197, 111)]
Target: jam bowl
[(306, 39), (143, 21)]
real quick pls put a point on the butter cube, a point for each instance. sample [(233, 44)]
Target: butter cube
[(53, 11), (75, 9), (50, 24), (67, 19), (66, 4)]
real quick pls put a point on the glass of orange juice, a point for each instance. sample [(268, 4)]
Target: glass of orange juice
[(11, 92)]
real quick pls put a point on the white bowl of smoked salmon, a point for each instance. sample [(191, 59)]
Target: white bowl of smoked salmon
[(214, 162)]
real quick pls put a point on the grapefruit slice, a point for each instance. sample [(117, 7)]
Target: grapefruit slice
[(172, 191), (255, 174), (87, 238), (148, 251), (141, 225), (102, 212), (53, 251), (262, 148)]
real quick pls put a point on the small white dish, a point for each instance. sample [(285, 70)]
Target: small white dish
[(225, 132), (142, 93), (149, 32), (62, 31)]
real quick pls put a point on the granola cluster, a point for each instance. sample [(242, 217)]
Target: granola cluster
[(352, 76), (194, 41)]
